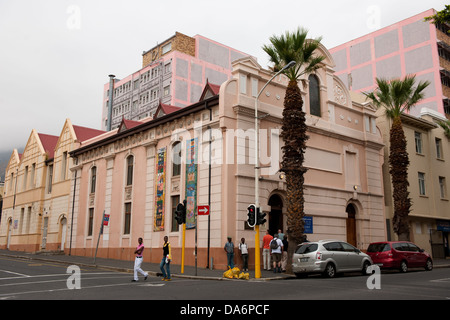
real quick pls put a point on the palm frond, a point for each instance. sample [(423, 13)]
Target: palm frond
[(294, 46), (397, 95)]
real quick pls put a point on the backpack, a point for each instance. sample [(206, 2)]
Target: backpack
[(274, 244)]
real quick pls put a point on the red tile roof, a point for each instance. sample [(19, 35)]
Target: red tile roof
[(212, 89), (84, 133), (49, 143), (165, 109)]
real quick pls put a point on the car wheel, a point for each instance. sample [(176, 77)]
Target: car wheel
[(403, 266), (429, 265), (365, 266), (330, 271)]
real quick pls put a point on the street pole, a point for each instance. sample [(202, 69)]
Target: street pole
[(99, 234), (257, 167), (182, 249)]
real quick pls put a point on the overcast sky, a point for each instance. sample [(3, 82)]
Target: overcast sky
[(56, 55)]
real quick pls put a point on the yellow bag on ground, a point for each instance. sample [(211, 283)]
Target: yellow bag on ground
[(228, 274), (244, 276), (235, 271)]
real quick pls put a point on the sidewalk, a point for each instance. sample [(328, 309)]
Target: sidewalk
[(151, 268)]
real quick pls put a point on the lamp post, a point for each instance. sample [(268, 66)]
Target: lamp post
[(257, 247)]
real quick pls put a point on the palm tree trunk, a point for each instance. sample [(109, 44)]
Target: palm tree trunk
[(294, 136), (399, 161)]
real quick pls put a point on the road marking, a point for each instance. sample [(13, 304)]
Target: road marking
[(63, 289), (19, 274), (54, 275), (441, 280), (152, 285), (49, 281)]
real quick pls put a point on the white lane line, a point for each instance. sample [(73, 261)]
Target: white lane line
[(63, 289), (54, 275), (18, 274), (50, 281)]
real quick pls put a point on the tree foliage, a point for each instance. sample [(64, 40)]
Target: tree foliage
[(294, 46), (396, 97)]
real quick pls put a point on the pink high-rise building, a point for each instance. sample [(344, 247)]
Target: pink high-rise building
[(173, 73), (410, 46)]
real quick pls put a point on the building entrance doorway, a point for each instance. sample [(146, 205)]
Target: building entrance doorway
[(276, 214), (351, 224)]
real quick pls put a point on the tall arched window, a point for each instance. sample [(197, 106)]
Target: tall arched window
[(130, 165), (176, 159), (93, 178), (314, 96)]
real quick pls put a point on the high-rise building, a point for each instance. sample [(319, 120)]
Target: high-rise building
[(410, 46), (174, 73)]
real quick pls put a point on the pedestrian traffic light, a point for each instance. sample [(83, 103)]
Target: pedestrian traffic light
[(260, 216), (251, 213), (180, 212)]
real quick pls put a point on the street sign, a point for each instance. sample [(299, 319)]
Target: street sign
[(308, 223), (106, 219), (203, 210)]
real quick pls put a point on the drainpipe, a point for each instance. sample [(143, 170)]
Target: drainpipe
[(110, 101), (73, 206)]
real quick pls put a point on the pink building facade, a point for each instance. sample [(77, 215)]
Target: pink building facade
[(138, 173), (174, 73), (411, 46)]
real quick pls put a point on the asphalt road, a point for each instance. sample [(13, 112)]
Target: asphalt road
[(31, 280)]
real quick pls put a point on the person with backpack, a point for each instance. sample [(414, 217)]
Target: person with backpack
[(276, 248)]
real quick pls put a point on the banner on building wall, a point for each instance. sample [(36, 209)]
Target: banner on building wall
[(160, 189), (191, 182)]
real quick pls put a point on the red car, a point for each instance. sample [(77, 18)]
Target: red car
[(399, 255)]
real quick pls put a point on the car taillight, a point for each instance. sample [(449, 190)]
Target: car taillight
[(318, 255)]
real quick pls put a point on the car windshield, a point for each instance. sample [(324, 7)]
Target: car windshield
[(307, 248), (378, 247)]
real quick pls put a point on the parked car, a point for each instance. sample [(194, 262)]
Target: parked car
[(328, 257), (399, 255)]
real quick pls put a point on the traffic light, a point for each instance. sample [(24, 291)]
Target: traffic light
[(260, 216), (251, 213), (180, 212)]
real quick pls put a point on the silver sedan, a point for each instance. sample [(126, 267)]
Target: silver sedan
[(329, 257)]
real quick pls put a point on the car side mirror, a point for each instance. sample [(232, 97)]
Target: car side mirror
[(421, 250)]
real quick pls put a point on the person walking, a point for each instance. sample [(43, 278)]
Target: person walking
[(276, 247), (266, 250), (138, 261), (229, 249), (167, 257), (243, 248)]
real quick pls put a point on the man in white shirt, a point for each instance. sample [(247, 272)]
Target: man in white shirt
[(276, 248), (244, 254)]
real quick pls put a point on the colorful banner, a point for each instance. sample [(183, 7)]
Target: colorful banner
[(160, 189), (191, 182)]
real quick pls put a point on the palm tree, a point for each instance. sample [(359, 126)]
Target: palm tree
[(446, 126), (398, 96), (294, 46)]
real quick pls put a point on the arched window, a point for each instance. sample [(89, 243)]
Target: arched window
[(314, 96), (176, 159), (130, 165), (93, 178)]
